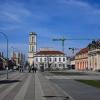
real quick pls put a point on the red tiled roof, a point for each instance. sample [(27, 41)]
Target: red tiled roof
[(49, 53), (84, 50)]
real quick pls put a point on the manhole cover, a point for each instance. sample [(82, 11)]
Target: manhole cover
[(63, 97)]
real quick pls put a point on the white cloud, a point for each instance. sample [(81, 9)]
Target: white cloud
[(12, 14), (81, 5)]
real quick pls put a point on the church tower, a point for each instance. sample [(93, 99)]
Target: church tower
[(32, 47)]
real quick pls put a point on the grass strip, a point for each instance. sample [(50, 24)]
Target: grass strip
[(95, 83)]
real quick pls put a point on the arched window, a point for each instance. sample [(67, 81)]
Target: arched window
[(59, 59), (32, 39), (40, 59), (63, 59)]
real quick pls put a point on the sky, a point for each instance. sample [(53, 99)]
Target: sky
[(49, 19)]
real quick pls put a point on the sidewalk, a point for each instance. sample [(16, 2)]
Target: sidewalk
[(49, 90), (31, 86)]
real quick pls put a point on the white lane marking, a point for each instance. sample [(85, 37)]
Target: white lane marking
[(38, 89), (56, 77), (66, 94), (21, 94), (73, 77)]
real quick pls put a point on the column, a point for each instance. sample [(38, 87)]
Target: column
[(98, 61)]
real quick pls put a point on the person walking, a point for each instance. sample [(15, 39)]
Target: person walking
[(35, 69)]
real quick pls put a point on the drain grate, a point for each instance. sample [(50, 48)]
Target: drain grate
[(63, 97)]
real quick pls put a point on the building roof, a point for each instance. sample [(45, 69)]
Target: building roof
[(49, 53), (84, 50)]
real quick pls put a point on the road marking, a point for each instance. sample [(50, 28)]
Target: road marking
[(56, 77), (23, 90), (74, 77), (66, 94), (4, 93), (38, 89)]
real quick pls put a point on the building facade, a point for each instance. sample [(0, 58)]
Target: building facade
[(81, 59), (50, 59), (32, 47), (3, 61), (94, 56), (72, 62), (19, 58)]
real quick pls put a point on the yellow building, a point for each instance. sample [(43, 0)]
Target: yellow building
[(81, 59)]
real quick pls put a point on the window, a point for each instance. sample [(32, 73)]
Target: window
[(32, 39), (45, 59), (40, 59), (55, 59), (36, 59), (63, 59), (63, 65), (50, 59), (32, 48), (60, 65), (59, 59)]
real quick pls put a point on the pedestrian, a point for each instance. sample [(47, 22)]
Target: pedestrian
[(35, 69), (29, 69)]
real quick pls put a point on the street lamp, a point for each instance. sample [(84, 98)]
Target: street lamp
[(7, 50)]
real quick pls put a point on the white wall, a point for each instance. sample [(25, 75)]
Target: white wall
[(59, 64)]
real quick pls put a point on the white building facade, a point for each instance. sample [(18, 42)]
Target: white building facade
[(32, 47), (94, 56), (94, 60), (50, 59)]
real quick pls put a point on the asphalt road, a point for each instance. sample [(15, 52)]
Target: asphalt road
[(77, 90), (19, 86), (29, 86), (5, 71)]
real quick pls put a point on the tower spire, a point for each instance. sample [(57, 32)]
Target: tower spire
[(32, 46)]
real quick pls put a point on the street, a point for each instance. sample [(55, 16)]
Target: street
[(16, 84), (49, 50), (77, 90), (41, 86), (29, 86)]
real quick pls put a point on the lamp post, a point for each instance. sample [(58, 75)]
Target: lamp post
[(7, 50)]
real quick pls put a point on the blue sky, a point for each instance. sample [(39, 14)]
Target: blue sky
[(49, 19)]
